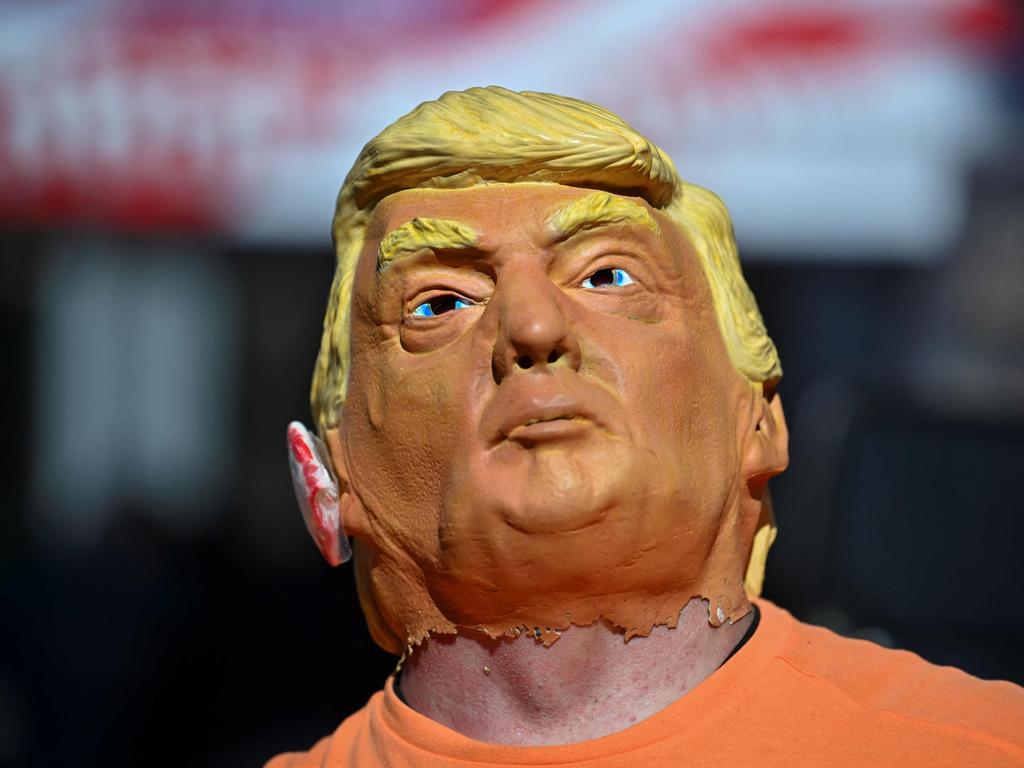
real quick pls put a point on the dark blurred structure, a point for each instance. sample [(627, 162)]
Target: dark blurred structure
[(165, 263)]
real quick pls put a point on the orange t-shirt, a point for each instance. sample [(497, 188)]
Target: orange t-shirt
[(793, 695)]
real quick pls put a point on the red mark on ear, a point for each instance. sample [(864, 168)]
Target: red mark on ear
[(317, 494)]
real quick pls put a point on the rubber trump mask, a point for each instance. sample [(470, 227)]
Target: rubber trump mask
[(545, 391)]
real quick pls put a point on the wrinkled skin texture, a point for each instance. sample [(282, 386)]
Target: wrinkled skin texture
[(626, 500)]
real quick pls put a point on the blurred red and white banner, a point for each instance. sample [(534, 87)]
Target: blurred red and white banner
[(828, 128)]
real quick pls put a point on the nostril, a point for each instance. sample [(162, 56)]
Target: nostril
[(553, 356), (524, 361)]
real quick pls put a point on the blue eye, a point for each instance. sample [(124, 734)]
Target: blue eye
[(440, 305), (606, 278)]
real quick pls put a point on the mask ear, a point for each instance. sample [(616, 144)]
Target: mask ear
[(767, 452), (317, 493)]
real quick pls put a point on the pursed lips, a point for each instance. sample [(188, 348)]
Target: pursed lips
[(541, 417)]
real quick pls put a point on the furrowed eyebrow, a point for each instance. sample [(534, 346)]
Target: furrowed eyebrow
[(597, 210), (420, 234)]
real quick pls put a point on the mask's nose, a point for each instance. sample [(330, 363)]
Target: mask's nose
[(533, 328)]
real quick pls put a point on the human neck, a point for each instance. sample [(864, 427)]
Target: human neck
[(588, 684)]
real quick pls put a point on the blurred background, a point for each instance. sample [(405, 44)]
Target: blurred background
[(167, 178)]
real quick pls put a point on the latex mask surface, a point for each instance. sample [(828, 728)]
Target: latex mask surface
[(542, 423)]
